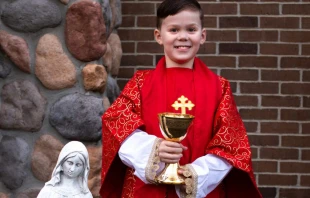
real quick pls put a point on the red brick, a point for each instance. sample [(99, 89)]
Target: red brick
[(279, 22), (292, 114), (268, 192), (254, 152), (237, 48), (137, 60), (210, 22), (295, 88), (218, 35), (305, 180), (306, 76), (295, 62), (306, 101), (279, 153), (146, 21), (122, 83), (128, 21), (207, 48), (259, 9), (149, 47), (277, 180), (265, 166), (259, 88), (243, 100), (128, 47), (296, 141), (219, 8), (278, 75), (254, 35), (251, 126), (135, 34), (279, 49), (294, 192), (138, 8), (296, 9), (258, 61), (295, 36), (125, 72), (259, 114), (219, 61), (238, 22), (306, 128), (281, 101), (296, 167), (306, 23), (240, 74), (305, 50), (261, 140), (305, 154), (279, 0), (279, 127)]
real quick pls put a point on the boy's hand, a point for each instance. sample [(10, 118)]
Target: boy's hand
[(170, 152)]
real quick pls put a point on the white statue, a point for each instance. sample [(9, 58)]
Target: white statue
[(69, 177)]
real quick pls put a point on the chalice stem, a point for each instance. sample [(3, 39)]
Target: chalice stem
[(170, 175)]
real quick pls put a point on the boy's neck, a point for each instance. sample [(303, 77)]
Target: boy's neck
[(171, 64)]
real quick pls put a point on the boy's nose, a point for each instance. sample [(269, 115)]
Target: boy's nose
[(182, 35)]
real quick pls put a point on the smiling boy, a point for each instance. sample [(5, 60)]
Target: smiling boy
[(215, 154)]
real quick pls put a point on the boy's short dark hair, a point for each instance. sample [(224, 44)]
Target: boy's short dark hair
[(172, 7)]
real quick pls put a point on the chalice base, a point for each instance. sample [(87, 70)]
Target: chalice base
[(170, 175)]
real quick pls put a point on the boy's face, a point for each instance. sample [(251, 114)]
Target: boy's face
[(181, 35)]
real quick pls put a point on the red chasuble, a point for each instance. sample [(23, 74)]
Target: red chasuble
[(217, 129)]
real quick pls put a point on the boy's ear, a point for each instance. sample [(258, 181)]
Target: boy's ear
[(203, 36), (158, 36)]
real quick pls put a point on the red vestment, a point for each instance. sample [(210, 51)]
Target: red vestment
[(217, 129)]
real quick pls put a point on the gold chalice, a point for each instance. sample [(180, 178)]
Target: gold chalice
[(174, 128)]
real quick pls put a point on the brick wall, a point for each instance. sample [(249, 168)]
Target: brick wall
[(263, 48)]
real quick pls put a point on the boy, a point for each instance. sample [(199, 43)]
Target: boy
[(215, 154)]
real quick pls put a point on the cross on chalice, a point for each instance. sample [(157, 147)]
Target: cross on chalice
[(174, 127)]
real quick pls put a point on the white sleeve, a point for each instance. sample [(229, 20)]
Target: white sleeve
[(211, 170), (135, 152)]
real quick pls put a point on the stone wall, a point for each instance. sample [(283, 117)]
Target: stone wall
[(58, 60)]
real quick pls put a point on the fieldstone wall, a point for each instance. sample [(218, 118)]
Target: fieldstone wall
[(58, 60)]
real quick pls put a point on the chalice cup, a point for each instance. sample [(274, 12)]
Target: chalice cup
[(174, 128)]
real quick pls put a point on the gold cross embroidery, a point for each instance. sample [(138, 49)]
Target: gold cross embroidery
[(183, 105)]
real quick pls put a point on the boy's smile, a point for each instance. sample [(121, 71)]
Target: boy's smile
[(181, 35)]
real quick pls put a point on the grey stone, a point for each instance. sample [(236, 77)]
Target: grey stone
[(14, 153), (77, 117), (107, 15), (16, 49), (5, 67), (117, 53), (23, 106), (112, 89), (116, 7), (95, 160), (53, 67), (29, 193), (107, 58), (85, 31), (64, 1), (44, 157), (31, 15)]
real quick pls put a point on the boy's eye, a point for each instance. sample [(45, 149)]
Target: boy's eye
[(173, 30), (191, 29)]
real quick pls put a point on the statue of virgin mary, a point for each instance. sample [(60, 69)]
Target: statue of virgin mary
[(69, 177)]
